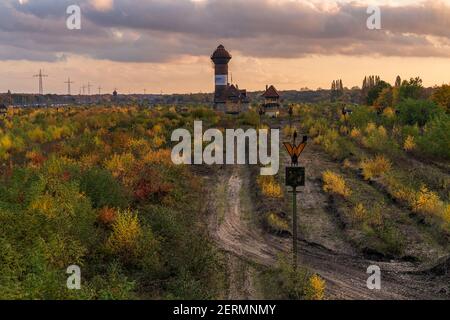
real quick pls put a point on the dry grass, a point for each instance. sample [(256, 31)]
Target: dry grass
[(270, 187), (334, 183), (409, 144), (374, 168), (317, 288)]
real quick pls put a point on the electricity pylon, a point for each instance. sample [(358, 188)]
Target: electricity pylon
[(40, 76)]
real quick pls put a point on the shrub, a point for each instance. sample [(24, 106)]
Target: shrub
[(37, 135), (319, 127), (417, 112), (335, 145), (151, 186), (300, 284), (276, 223), (102, 189), (428, 202), (36, 158), (113, 285), (126, 232), (376, 167), (436, 140), (334, 183), (316, 288), (270, 187), (359, 213), (120, 165), (250, 118), (389, 113), (158, 141), (107, 216), (441, 96), (361, 117), (6, 142), (446, 215), (378, 140), (355, 133), (160, 156), (288, 131), (409, 144)]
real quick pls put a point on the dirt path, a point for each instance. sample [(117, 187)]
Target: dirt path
[(344, 272)]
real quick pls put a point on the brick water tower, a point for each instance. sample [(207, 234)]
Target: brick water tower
[(220, 58)]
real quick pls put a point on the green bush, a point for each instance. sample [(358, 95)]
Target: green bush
[(361, 116), (103, 190), (436, 140), (417, 112)]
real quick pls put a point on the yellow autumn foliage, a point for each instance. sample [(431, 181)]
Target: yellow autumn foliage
[(359, 212), (6, 142), (355, 133), (334, 183), (316, 288), (409, 144), (120, 164), (373, 168), (37, 135), (428, 202), (126, 232), (389, 112), (270, 187)]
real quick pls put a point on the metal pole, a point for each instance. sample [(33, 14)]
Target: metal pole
[(294, 227)]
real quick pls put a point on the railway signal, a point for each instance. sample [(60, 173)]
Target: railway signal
[(295, 178)]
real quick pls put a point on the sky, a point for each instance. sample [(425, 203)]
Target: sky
[(165, 45)]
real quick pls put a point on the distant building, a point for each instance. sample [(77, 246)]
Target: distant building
[(272, 102), (3, 109), (228, 97)]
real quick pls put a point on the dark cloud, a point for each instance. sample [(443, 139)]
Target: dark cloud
[(160, 30)]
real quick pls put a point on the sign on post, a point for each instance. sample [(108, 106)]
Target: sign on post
[(295, 177)]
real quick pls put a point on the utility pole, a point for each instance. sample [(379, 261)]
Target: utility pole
[(40, 76), (89, 88), (68, 86)]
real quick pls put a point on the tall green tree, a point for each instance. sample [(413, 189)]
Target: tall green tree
[(441, 96)]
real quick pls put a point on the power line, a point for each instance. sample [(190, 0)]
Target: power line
[(40, 76), (68, 86)]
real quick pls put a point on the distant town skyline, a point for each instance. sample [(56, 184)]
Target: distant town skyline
[(155, 45)]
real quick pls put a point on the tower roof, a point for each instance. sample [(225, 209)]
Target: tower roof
[(221, 53), (271, 92)]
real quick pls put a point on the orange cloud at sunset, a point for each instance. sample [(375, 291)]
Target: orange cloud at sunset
[(165, 45)]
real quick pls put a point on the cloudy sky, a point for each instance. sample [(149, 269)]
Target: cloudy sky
[(164, 45)]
